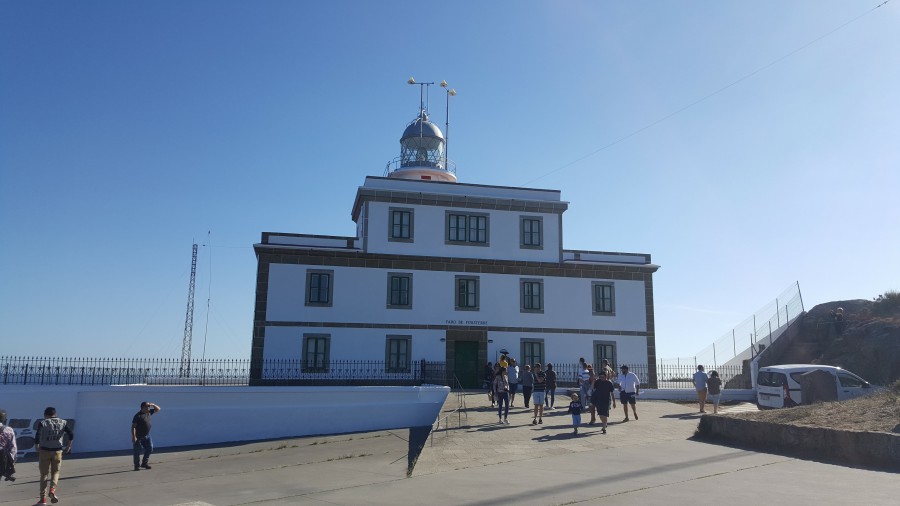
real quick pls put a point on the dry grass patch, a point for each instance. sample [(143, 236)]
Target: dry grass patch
[(875, 413)]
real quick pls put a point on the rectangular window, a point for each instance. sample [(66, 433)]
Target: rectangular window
[(478, 229), (531, 296), (457, 228), (466, 293), (604, 296), (532, 232), (315, 352), (399, 290), (604, 350), (319, 287), (401, 225), (532, 351), (397, 353), (468, 228)]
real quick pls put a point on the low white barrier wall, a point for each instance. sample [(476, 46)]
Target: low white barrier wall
[(690, 394), (204, 415)]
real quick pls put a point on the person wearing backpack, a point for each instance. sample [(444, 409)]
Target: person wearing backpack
[(49, 442), (7, 449)]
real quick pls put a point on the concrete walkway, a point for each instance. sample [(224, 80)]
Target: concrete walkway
[(648, 461)]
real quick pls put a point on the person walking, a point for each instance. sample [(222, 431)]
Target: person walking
[(590, 382), (140, 434), (629, 388), (584, 381), (575, 411), (700, 379), (8, 449), (601, 397), (550, 397), (527, 381), (606, 369), (49, 442), (501, 394), (714, 383), (489, 381), (512, 374), (540, 384)]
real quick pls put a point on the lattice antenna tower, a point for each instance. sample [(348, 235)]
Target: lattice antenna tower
[(189, 320)]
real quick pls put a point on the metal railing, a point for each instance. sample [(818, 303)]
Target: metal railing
[(152, 371), (744, 340), (668, 376)]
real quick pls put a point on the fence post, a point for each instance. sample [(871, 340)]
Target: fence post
[(754, 327), (734, 342)]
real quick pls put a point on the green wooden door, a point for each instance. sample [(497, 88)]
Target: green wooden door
[(466, 364)]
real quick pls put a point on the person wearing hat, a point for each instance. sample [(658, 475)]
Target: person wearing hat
[(629, 387), (140, 434)]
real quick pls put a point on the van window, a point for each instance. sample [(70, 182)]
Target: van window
[(850, 381), (771, 379)]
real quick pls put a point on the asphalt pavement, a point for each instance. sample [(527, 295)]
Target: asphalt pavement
[(472, 459)]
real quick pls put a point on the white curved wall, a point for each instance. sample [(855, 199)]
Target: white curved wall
[(208, 415)]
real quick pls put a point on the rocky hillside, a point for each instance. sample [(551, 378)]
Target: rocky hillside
[(868, 344)]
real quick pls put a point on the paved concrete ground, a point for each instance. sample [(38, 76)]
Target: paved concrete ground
[(648, 461)]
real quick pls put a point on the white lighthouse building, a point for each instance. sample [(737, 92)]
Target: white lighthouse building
[(451, 272)]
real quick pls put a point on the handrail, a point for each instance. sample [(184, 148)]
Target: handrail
[(460, 410)]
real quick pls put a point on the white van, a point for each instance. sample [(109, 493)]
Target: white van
[(777, 385)]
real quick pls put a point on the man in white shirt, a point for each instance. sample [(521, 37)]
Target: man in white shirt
[(629, 387)]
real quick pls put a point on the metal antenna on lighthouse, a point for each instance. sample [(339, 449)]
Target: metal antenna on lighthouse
[(189, 320)]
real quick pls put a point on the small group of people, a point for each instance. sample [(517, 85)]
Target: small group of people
[(709, 388), (597, 393), (53, 438), (538, 387)]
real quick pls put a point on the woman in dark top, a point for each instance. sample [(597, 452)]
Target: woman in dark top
[(551, 386)]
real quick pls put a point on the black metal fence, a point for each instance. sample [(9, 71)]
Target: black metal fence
[(164, 371)]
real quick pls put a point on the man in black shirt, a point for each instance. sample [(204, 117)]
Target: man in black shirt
[(140, 434), (601, 398)]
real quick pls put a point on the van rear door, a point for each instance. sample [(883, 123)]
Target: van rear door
[(770, 389)]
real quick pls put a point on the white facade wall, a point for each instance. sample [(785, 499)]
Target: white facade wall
[(568, 348), (352, 343), (360, 296), (430, 233)]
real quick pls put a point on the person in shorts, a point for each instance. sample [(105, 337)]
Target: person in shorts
[(601, 397), (714, 384), (629, 388), (538, 394)]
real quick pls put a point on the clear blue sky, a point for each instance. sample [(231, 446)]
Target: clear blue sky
[(130, 129)]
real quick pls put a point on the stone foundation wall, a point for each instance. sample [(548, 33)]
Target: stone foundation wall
[(868, 449)]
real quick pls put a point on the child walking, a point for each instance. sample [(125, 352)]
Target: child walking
[(575, 411)]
